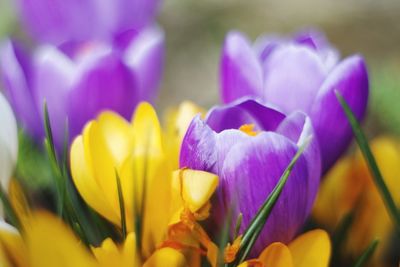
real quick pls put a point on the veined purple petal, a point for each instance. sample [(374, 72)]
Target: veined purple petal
[(250, 172), (105, 83), (298, 128), (17, 80), (244, 111), (198, 147), (293, 75), (334, 133), (241, 73), (145, 57)]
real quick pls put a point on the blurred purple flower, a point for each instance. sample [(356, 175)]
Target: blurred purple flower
[(298, 74), (249, 146), (78, 80), (57, 21)]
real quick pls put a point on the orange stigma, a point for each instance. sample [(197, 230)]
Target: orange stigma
[(248, 129)]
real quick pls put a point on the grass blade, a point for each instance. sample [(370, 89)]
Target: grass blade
[(368, 252), (371, 162), (121, 206), (8, 209), (257, 224)]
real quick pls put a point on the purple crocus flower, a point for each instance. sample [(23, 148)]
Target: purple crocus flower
[(298, 74), (57, 21), (249, 146), (78, 80)]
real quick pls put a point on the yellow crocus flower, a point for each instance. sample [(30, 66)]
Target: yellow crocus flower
[(111, 147), (349, 186), (310, 249)]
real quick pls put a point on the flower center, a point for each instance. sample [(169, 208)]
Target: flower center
[(248, 129)]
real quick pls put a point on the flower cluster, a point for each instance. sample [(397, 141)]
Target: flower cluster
[(257, 180)]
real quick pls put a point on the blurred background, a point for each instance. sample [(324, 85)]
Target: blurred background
[(195, 32)]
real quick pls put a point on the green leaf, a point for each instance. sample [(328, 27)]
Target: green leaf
[(51, 151), (371, 162), (87, 224), (368, 252), (341, 234), (9, 210), (121, 205), (257, 224)]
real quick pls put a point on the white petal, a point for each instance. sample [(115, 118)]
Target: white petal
[(8, 142)]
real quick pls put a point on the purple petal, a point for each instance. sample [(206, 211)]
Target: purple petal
[(250, 172), (312, 38), (145, 56), (128, 14), (57, 20), (334, 133), (298, 127), (317, 40), (17, 80), (293, 76), (54, 73), (241, 73), (265, 44), (244, 111), (104, 83), (198, 147)]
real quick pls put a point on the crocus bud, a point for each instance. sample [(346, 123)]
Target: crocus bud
[(298, 74)]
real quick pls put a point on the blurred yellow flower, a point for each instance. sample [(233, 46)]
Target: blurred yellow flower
[(48, 242), (349, 186), (310, 249)]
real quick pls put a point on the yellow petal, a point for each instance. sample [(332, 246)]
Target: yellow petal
[(129, 253), (147, 130), (103, 164), (177, 122), (51, 243), (166, 257), (108, 254), (372, 220), (157, 210), (151, 176), (118, 135), (147, 149), (311, 249), (12, 246), (387, 153), (197, 188), (85, 182), (18, 201), (340, 187), (277, 255)]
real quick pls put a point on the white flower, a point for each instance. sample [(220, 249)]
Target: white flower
[(8, 142)]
